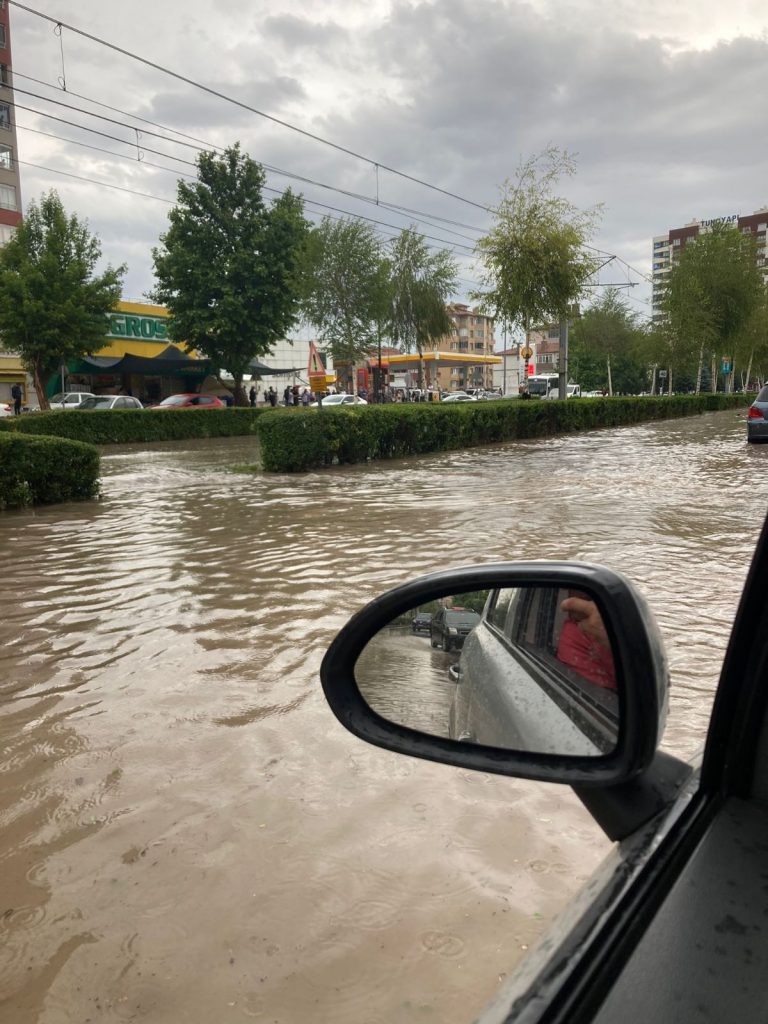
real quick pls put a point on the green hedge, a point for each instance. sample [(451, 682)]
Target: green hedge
[(123, 426), (43, 470), (313, 438)]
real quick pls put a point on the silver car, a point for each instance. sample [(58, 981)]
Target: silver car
[(104, 402), (69, 399), (521, 683), (757, 418)]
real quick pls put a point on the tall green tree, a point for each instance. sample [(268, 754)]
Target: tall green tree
[(609, 332), (230, 267), (52, 304), (421, 282), (534, 261), (712, 293), (347, 287)]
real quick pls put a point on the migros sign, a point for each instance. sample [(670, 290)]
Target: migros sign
[(129, 325)]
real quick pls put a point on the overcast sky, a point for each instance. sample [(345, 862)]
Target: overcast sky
[(664, 102)]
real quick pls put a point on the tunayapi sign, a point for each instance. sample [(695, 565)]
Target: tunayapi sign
[(128, 325)]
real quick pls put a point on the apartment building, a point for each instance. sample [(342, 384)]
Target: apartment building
[(471, 334), (666, 248), (11, 370)]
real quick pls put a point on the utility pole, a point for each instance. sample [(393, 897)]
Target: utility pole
[(563, 367)]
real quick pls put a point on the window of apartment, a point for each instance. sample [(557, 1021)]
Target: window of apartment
[(7, 197), (3, 74), (479, 346), (2, 36), (676, 242), (5, 115), (463, 332), (6, 157), (7, 231)]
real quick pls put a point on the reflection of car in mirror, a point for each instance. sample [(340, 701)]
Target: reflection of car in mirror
[(451, 626), (420, 623), (530, 678)]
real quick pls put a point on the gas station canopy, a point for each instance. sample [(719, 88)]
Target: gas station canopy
[(436, 360)]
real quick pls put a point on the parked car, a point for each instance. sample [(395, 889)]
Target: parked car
[(451, 626), (191, 401), (671, 927), (757, 417), (104, 402), (459, 396), (340, 399), (420, 622), (69, 399), (6, 409), (574, 391)]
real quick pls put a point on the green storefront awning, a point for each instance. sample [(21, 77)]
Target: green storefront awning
[(171, 362)]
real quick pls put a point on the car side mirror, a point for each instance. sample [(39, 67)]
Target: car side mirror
[(541, 670)]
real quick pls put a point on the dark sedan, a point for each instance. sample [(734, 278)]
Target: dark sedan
[(757, 417), (421, 622), (451, 626)]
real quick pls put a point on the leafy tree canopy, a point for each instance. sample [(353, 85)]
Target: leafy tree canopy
[(534, 260), (607, 344), (52, 304), (347, 287), (421, 282), (230, 267)]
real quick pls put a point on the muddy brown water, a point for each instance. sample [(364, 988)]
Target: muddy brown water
[(188, 835)]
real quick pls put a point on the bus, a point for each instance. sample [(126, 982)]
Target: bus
[(540, 384)]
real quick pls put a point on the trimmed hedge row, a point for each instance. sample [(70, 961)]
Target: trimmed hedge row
[(43, 470), (320, 437), (124, 426)]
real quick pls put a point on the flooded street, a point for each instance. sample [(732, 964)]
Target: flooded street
[(188, 834)]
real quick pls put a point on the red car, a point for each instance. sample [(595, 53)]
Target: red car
[(191, 401)]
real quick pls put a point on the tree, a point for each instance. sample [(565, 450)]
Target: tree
[(608, 331), (230, 268), (346, 287), (52, 306), (712, 293), (535, 264), (421, 283)]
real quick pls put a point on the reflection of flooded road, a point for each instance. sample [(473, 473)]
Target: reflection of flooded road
[(407, 681), (188, 835)]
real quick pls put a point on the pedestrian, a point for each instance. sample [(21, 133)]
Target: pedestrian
[(295, 394), (252, 396), (306, 398), (16, 395), (287, 395), (272, 396)]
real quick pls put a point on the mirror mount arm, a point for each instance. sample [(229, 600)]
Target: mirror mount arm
[(620, 810)]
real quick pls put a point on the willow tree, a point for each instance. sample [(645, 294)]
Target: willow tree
[(230, 266), (421, 282), (52, 303), (534, 260)]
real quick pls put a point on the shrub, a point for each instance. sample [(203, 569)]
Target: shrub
[(123, 426), (313, 438), (43, 470)]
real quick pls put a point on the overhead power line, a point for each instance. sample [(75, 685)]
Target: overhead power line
[(195, 84)]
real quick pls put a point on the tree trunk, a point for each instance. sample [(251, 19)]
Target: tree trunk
[(241, 399), (610, 379), (653, 380), (37, 379), (714, 375), (669, 382), (700, 370), (749, 370)]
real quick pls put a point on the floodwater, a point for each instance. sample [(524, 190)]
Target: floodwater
[(187, 833)]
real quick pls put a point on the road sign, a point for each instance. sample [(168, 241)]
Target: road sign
[(725, 365), (662, 374), (526, 352)]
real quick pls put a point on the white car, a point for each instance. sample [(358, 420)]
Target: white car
[(340, 400), (6, 409), (104, 402), (459, 396), (69, 399)]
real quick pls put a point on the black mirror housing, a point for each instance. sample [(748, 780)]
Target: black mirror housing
[(637, 649)]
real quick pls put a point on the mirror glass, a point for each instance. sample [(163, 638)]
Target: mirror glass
[(527, 668)]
